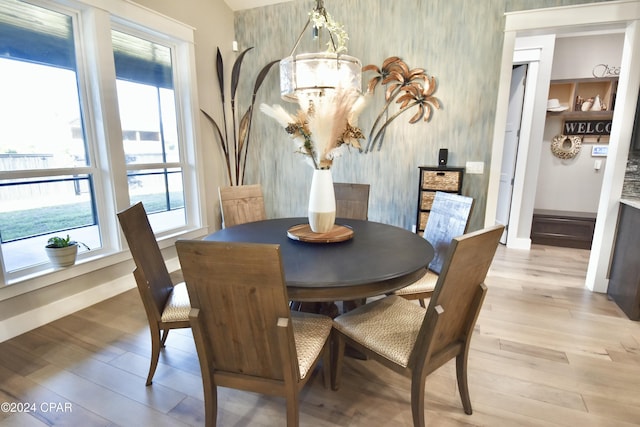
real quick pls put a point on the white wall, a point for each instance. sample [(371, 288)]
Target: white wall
[(575, 57), (574, 185)]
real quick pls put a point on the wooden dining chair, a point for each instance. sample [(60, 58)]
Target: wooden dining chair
[(241, 203), (245, 335), (415, 341), (449, 218), (166, 303), (352, 200)]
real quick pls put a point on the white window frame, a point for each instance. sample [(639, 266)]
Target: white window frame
[(93, 22)]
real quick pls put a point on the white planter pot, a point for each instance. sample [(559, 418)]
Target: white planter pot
[(322, 202), (62, 257)]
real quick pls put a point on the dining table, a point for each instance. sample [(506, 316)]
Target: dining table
[(375, 259)]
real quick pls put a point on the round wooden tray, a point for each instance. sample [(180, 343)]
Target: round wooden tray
[(302, 232)]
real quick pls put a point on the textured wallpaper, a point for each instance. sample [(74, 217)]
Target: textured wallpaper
[(457, 41)]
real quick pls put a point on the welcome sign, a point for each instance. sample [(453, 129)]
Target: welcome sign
[(587, 127)]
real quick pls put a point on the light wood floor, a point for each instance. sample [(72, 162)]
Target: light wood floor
[(545, 352)]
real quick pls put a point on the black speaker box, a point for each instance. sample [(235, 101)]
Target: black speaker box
[(443, 155)]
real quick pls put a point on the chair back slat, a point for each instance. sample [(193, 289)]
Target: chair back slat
[(152, 276), (240, 291), (457, 297), (241, 204), (448, 218), (352, 200)]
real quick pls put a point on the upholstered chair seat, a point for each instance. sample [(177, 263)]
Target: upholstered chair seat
[(387, 326), (425, 285), (177, 307), (310, 331)]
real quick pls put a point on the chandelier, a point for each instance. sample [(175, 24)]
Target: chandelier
[(305, 76)]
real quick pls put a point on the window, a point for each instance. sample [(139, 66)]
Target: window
[(78, 143), (146, 101)]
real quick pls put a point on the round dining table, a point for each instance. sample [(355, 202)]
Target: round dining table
[(378, 259)]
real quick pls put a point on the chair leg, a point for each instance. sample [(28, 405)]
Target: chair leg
[(210, 404), (155, 353), (425, 297), (338, 358), (326, 364), (293, 413), (417, 399), (463, 385), (165, 334)]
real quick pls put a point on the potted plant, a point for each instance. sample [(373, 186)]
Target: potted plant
[(62, 251)]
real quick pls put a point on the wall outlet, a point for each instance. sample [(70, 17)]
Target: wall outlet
[(475, 167)]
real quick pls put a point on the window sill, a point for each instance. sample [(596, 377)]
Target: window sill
[(83, 266)]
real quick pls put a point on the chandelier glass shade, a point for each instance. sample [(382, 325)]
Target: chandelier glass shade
[(311, 74)]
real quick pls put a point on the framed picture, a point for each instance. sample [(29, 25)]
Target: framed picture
[(599, 151)]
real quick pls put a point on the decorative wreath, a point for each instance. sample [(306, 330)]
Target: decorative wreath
[(566, 147)]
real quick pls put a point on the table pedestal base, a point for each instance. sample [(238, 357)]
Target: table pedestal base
[(327, 308)]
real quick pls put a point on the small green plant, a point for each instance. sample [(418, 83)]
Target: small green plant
[(63, 242)]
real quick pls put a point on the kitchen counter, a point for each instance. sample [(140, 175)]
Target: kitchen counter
[(634, 203)]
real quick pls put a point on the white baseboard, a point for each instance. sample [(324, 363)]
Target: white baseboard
[(42, 315), (518, 243)]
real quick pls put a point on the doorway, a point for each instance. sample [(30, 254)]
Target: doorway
[(510, 152), (602, 16)]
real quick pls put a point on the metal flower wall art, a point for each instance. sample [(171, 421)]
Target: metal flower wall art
[(412, 89)]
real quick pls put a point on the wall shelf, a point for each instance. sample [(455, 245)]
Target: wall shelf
[(593, 126), (574, 93)]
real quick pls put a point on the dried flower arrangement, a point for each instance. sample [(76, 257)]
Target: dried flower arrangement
[(322, 129)]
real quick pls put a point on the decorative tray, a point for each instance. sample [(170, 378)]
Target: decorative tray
[(303, 233)]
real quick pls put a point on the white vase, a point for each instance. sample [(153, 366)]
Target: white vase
[(322, 202)]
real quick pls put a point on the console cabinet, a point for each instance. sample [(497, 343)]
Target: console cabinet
[(624, 276), (432, 179)]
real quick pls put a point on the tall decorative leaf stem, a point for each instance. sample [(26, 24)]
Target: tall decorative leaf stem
[(235, 149)]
